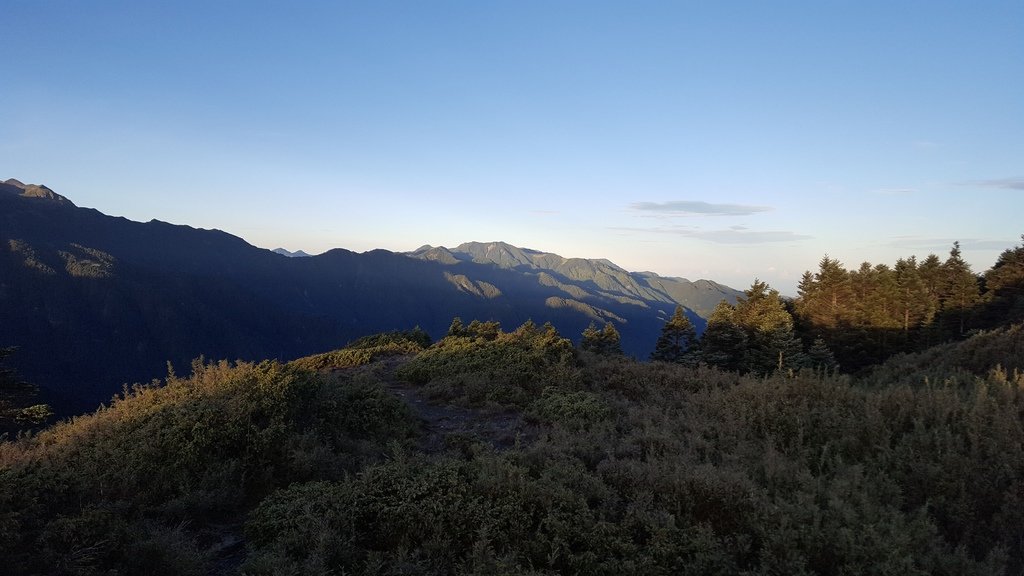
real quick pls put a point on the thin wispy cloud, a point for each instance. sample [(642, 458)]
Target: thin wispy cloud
[(1004, 183), (697, 208), (945, 244), (746, 236), (733, 235), (896, 191)]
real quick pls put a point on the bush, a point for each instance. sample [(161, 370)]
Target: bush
[(482, 365), (194, 450)]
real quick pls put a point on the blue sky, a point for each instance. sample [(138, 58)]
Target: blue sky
[(724, 140)]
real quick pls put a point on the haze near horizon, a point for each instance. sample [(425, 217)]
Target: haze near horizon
[(726, 141)]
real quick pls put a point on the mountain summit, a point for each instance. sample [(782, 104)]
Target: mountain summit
[(12, 186), (587, 278)]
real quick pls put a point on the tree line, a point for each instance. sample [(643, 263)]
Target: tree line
[(846, 318)]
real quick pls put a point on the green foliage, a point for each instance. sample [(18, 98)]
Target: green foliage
[(16, 397), (760, 309), (1005, 283), (677, 341), (34, 415), (866, 315), (665, 469), (579, 409), (415, 336), (484, 366), (367, 349), (103, 490), (631, 468), (605, 341), (756, 335), (820, 357), (724, 343)]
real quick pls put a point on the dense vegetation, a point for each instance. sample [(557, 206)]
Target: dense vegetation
[(869, 314), (622, 467), (851, 320)]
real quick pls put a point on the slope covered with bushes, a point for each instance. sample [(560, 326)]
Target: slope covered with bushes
[(630, 468)]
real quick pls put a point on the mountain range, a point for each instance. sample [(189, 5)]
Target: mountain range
[(94, 302)]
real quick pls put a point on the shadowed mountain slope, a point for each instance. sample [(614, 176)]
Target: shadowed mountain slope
[(588, 279), (94, 301)]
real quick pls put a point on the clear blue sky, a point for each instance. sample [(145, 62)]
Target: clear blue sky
[(725, 140)]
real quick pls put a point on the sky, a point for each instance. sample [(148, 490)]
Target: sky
[(721, 140)]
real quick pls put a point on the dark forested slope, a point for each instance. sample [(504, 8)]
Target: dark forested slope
[(93, 301)]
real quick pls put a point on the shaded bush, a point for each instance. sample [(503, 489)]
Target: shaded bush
[(631, 468), (194, 450)]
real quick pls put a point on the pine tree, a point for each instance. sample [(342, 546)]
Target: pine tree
[(456, 328), (930, 272), (911, 298), (826, 298), (611, 340), (591, 341), (820, 357), (959, 287), (777, 349), (606, 341), (677, 340), (760, 309), (1005, 285), (724, 343)]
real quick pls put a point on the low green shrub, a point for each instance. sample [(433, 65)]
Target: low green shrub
[(482, 365)]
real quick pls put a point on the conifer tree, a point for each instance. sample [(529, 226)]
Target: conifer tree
[(606, 341), (1005, 285), (760, 309), (776, 349), (826, 297), (724, 343), (612, 341), (486, 330), (591, 341), (959, 288), (930, 271), (911, 297), (820, 357), (456, 328), (677, 340)]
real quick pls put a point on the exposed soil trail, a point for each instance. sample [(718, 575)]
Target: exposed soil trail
[(446, 425)]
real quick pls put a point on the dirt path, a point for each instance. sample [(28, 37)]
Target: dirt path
[(445, 425)]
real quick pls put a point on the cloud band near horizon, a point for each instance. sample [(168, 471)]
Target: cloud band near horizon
[(733, 235), (698, 208), (1004, 183)]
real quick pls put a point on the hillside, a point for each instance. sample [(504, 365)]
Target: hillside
[(512, 452), (588, 279), (93, 301)]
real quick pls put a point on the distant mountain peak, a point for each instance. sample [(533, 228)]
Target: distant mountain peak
[(290, 254), (436, 254), (582, 278), (18, 188)]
